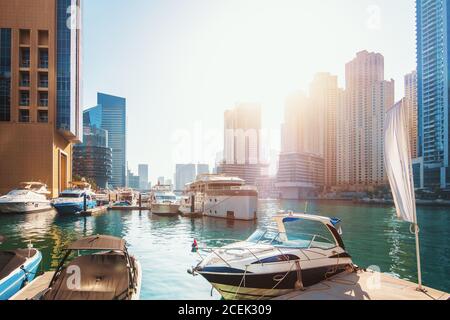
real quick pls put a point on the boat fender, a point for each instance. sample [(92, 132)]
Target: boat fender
[(299, 283)]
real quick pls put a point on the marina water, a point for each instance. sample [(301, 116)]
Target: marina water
[(373, 236)]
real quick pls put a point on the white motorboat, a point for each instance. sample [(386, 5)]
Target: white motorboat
[(301, 251), (73, 200), (164, 202), (222, 196), (29, 197)]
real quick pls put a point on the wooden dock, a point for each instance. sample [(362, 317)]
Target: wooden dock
[(94, 212), (365, 285), (34, 287)]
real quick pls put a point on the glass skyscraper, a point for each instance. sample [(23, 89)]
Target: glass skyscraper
[(433, 69), (110, 115)]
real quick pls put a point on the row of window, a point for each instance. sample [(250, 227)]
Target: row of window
[(24, 98), (25, 58), (24, 116), (24, 80)]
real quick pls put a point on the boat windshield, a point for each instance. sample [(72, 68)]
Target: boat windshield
[(166, 198), (302, 234), (70, 195), (19, 193)]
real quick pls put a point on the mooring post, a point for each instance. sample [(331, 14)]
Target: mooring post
[(84, 203), (140, 200)]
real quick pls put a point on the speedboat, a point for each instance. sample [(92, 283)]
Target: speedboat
[(106, 271), (73, 200), (17, 269), (301, 251), (165, 203), (29, 197)]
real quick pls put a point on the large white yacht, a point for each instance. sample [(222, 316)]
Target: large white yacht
[(222, 196), (29, 197), (164, 201)]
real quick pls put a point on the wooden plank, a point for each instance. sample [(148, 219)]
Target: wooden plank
[(365, 285), (34, 287)]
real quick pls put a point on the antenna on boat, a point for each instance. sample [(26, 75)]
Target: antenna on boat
[(306, 207), (400, 173)]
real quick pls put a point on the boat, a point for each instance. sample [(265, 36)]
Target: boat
[(17, 269), (75, 199), (164, 201), (29, 197), (222, 196), (126, 198), (301, 251), (106, 272)]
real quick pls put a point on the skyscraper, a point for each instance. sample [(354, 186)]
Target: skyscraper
[(184, 174), (202, 169), (324, 93), (93, 158), (110, 115), (143, 176), (410, 103), (433, 89), (40, 92), (360, 145), (242, 145), (301, 169)]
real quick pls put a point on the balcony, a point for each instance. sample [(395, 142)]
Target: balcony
[(25, 63), (43, 80)]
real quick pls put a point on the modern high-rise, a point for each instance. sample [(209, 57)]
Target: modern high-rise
[(92, 159), (110, 115), (184, 174), (324, 98), (202, 169), (360, 125), (410, 103), (40, 92), (143, 176), (433, 90), (242, 156), (301, 167)]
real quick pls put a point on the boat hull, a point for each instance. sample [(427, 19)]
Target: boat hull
[(233, 207), (165, 209), (24, 207), (17, 279), (233, 286), (73, 207)]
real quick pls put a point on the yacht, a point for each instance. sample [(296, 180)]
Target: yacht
[(301, 251), (73, 200), (222, 196), (164, 201), (126, 198), (108, 272), (29, 197)]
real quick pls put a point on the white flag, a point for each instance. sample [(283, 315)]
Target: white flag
[(399, 163)]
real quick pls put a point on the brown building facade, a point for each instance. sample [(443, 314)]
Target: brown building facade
[(40, 107)]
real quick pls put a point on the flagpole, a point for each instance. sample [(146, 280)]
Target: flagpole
[(419, 268)]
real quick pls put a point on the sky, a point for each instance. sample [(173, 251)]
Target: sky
[(181, 63)]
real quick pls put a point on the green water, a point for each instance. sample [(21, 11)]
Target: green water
[(373, 236)]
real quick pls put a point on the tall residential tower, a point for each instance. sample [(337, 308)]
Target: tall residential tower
[(433, 75)]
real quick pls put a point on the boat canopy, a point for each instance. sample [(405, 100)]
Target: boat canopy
[(99, 243)]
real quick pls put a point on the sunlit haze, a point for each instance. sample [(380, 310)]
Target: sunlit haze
[(180, 64)]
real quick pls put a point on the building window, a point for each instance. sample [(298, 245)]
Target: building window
[(42, 116), (43, 38), (25, 37), (24, 57), (24, 115), (24, 79), (43, 99), (24, 98), (43, 58), (5, 74), (43, 80)]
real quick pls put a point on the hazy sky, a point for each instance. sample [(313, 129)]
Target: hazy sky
[(181, 63)]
